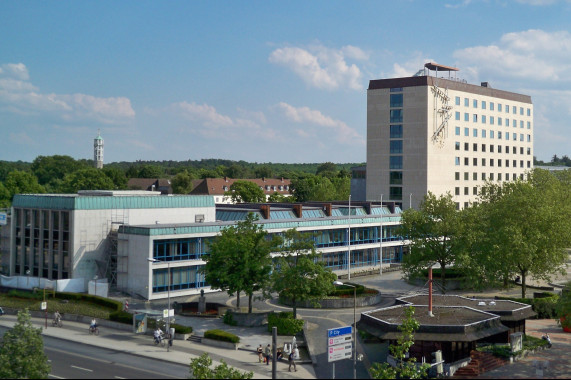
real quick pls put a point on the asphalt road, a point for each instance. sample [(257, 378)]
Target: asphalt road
[(71, 360)]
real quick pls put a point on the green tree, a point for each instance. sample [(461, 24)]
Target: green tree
[(313, 188), (246, 192), (200, 369), (117, 176), (435, 232), (22, 351), (298, 275), (278, 198), (19, 182), (528, 226), (327, 169), (149, 171), (406, 368), (239, 259), (182, 183), (5, 196), (87, 179), (264, 171), (51, 169)]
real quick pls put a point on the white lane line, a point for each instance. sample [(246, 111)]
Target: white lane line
[(119, 377), (56, 377), (82, 369)]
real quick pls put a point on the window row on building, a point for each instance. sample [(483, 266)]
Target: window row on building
[(486, 176), (484, 119), (491, 106), (491, 162), (483, 133), (492, 148), (396, 144)]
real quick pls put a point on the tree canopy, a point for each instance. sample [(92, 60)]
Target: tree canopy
[(200, 369), (22, 351), (239, 259), (246, 192), (298, 275), (435, 234)]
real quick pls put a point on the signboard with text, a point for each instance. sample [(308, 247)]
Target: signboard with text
[(3, 219), (339, 343)]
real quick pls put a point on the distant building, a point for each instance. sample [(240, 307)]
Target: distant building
[(430, 133), (218, 186), (359, 183), (150, 184), (98, 151)]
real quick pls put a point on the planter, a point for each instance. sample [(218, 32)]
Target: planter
[(220, 343), (563, 321)]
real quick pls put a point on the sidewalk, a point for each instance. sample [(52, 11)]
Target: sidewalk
[(181, 352)]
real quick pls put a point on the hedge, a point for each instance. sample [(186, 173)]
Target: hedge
[(221, 335), (105, 302), (344, 290), (544, 307), (285, 323), (180, 329), (451, 273)]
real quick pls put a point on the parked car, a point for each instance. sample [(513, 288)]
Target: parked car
[(1, 311)]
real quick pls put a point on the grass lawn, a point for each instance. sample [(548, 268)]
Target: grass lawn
[(64, 306)]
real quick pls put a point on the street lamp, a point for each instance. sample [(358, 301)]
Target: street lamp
[(28, 278), (168, 297), (349, 243), (339, 283), (95, 279), (381, 238)]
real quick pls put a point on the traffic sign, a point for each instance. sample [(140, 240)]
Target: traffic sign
[(340, 352), (44, 306), (168, 313), (339, 331)]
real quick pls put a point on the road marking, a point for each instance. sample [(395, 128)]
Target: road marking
[(82, 369), (118, 377), (56, 377)]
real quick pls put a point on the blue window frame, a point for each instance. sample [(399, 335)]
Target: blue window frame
[(467, 132), (396, 116), (475, 103), (466, 116), (395, 162), (396, 146), (500, 121), (457, 100), (396, 131), (483, 104), (483, 119), (491, 120), (466, 102), (396, 100), (189, 277), (457, 129), (457, 115), (499, 107), (491, 106)]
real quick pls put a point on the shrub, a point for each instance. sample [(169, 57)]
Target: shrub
[(451, 273), (180, 329), (221, 335), (285, 323), (229, 318), (344, 290), (121, 317), (544, 307)]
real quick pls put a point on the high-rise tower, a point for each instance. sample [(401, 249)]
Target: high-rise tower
[(98, 151), (432, 133)]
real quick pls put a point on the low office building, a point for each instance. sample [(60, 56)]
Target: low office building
[(118, 234)]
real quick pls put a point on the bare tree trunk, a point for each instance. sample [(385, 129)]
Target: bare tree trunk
[(294, 305), (443, 277), (238, 299), (250, 303)]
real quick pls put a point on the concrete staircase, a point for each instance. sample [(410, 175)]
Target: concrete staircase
[(481, 362), (195, 339)]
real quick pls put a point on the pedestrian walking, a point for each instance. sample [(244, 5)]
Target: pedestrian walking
[(291, 361), (268, 352), (260, 353)]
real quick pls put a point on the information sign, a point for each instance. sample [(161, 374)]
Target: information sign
[(44, 306), (339, 331), (339, 340), (340, 351), (166, 313), (3, 218)]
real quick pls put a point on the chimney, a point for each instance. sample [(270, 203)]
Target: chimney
[(265, 211), (298, 209), (327, 209)]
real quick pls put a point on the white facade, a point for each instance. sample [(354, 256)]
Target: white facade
[(440, 135)]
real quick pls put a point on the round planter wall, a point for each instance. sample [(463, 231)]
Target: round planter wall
[(337, 303)]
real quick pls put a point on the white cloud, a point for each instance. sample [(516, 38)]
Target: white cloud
[(304, 115), (534, 55), (409, 68), (22, 138), (322, 67), (18, 95)]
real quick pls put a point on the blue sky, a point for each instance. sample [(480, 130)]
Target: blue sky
[(260, 81)]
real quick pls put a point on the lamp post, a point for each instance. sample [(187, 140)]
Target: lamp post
[(168, 297), (381, 238), (95, 278), (339, 283), (349, 243), (27, 278)]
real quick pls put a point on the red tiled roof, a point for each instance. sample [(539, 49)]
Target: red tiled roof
[(217, 186)]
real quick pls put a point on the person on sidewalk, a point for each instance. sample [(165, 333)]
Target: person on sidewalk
[(291, 361), (268, 353), (260, 353)]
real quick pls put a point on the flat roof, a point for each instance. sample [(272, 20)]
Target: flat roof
[(438, 67)]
